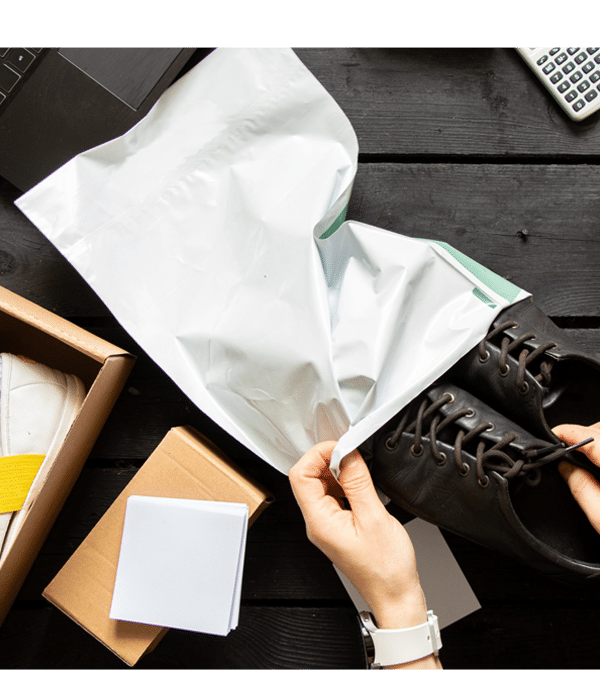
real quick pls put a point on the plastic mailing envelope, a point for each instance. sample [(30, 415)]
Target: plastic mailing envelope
[(213, 232)]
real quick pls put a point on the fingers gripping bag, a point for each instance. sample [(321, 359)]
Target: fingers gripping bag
[(214, 232)]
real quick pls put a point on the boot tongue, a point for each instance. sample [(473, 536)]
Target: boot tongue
[(482, 413)]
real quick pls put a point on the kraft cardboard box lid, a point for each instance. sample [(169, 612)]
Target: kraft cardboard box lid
[(184, 465)]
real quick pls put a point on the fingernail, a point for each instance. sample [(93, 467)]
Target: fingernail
[(565, 469)]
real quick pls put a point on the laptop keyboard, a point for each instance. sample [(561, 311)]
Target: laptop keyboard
[(15, 66)]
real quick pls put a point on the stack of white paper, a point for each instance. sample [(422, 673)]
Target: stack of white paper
[(181, 563)]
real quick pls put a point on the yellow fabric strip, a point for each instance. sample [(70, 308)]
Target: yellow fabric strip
[(16, 476)]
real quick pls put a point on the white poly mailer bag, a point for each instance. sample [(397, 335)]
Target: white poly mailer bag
[(211, 230)]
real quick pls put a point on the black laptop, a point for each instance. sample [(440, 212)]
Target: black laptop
[(56, 103)]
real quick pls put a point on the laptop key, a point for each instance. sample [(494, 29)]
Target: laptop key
[(2, 97), (8, 78), (20, 59), (3, 52)]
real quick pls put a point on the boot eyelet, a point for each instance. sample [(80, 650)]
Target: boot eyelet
[(504, 372), (470, 413), (440, 462), (491, 426), (485, 357), (416, 451), (464, 469), (524, 388), (485, 482), (391, 446), (452, 398)]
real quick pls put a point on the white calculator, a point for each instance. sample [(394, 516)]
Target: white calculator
[(572, 76)]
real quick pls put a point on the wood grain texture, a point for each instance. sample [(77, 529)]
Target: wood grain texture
[(481, 210), (447, 102), (267, 637)]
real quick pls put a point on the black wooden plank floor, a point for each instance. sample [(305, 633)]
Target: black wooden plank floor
[(456, 145)]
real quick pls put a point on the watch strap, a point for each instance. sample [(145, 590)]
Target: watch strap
[(399, 646)]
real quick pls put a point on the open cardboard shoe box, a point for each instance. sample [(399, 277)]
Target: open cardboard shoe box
[(28, 329)]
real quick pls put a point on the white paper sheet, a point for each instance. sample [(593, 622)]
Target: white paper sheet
[(212, 232), (180, 564)]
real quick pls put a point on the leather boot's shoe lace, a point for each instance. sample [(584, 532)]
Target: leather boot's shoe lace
[(525, 357), (494, 458)]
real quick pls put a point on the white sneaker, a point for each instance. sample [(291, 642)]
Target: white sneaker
[(37, 408)]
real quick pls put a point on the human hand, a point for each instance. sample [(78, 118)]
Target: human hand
[(584, 487), (366, 542)]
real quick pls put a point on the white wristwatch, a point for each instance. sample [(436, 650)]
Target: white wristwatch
[(390, 647)]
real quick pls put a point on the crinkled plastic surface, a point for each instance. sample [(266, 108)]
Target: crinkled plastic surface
[(211, 230)]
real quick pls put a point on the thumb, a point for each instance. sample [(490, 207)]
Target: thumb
[(358, 486)]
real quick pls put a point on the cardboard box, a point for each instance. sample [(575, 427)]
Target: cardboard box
[(184, 465), (27, 329)]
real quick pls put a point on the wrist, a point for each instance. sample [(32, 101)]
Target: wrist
[(410, 611)]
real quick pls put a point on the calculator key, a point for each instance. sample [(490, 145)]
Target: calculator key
[(578, 75), (597, 59), (542, 60), (20, 59), (580, 104), (591, 51), (588, 67), (8, 78), (561, 59), (556, 77), (564, 86), (570, 96), (580, 58), (589, 96), (572, 51), (553, 51), (594, 77), (569, 67), (549, 68), (583, 86)]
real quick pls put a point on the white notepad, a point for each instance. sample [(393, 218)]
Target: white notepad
[(180, 564)]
